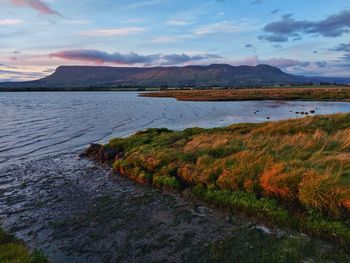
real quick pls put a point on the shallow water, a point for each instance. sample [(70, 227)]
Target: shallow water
[(76, 211), (36, 124)]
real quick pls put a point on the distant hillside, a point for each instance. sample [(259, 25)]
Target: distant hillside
[(221, 75)]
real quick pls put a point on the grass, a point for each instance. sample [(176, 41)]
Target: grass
[(293, 173), (14, 251), (294, 93)]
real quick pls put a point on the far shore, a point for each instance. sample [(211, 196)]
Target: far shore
[(199, 93), (334, 93)]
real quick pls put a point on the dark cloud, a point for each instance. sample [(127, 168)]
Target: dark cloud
[(101, 57), (344, 60), (321, 64), (275, 11), (286, 63), (342, 47), (249, 46), (278, 46), (37, 5), (346, 57), (289, 28), (175, 59)]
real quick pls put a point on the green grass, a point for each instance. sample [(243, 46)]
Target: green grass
[(294, 173), (14, 251)]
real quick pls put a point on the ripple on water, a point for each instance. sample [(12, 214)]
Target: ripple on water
[(36, 124)]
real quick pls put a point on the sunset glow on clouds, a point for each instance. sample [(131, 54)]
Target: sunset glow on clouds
[(36, 36)]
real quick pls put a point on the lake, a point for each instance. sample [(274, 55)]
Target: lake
[(37, 124), (74, 210)]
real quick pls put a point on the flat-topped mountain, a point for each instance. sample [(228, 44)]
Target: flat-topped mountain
[(221, 75), (196, 76)]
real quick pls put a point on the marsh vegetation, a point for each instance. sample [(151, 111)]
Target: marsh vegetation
[(307, 93), (293, 173)]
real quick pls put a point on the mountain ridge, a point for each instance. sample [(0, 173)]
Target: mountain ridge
[(197, 76)]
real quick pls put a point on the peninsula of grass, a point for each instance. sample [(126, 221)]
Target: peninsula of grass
[(292, 93), (293, 173), (14, 251)]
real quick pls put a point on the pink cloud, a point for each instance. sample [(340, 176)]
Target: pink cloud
[(114, 32), (38, 5)]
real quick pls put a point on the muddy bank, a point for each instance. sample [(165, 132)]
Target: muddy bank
[(75, 211)]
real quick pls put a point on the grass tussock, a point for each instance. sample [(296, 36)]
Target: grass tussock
[(299, 93), (293, 172), (13, 251)]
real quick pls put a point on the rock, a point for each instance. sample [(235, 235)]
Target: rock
[(99, 153), (93, 150)]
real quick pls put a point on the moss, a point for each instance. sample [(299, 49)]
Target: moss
[(166, 181), (13, 251)]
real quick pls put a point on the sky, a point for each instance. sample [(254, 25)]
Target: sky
[(301, 37)]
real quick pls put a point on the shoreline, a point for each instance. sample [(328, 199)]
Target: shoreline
[(236, 167), (341, 94)]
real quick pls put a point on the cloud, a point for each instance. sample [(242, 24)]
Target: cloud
[(170, 39), (176, 59), (289, 65), (8, 73), (140, 4), (275, 11), (342, 47), (220, 27), (10, 22), (346, 57), (290, 29), (114, 32), (344, 60), (249, 46), (101, 57), (178, 23), (38, 5)]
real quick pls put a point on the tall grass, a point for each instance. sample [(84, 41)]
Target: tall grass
[(302, 164)]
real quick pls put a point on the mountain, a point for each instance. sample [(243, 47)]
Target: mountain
[(220, 75)]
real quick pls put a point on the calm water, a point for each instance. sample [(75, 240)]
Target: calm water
[(37, 124), (76, 211)]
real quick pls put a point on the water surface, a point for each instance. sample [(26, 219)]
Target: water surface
[(37, 124)]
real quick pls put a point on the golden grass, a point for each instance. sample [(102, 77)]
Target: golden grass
[(293, 93), (301, 162)]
